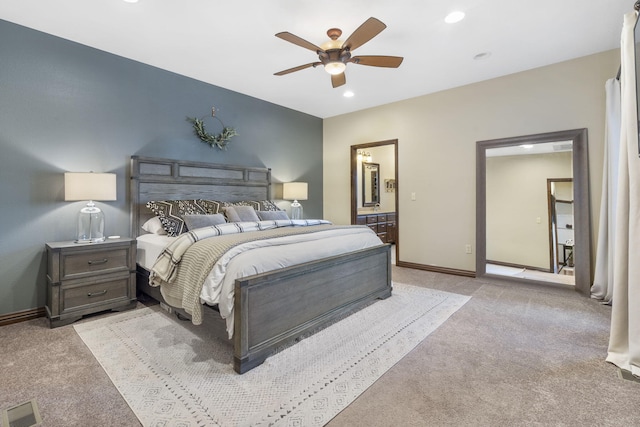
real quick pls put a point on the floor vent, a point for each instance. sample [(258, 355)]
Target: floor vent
[(626, 375), (23, 415)]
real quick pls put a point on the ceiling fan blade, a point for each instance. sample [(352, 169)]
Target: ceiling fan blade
[(378, 61), (298, 68), (338, 79), (292, 38), (365, 32)]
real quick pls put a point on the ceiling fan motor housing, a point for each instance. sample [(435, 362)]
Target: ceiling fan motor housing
[(334, 55)]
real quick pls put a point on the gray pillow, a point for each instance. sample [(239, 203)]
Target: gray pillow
[(171, 212), (272, 215), (199, 221), (240, 213)]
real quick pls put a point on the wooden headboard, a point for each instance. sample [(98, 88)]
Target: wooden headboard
[(166, 179)]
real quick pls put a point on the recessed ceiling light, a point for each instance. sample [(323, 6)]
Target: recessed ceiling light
[(454, 17), (527, 146), (131, 1), (348, 94), (483, 55)]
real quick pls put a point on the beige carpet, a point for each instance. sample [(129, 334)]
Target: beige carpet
[(172, 373)]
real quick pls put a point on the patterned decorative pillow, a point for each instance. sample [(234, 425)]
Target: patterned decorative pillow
[(240, 213), (170, 213), (199, 221), (211, 207), (272, 215), (257, 205)]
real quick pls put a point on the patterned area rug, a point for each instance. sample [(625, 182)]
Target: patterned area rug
[(172, 374)]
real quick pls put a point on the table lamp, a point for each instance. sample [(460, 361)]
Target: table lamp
[(295, 191), (90, 186)]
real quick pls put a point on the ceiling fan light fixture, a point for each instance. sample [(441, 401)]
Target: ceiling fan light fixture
[(335, 67), (331, 44)]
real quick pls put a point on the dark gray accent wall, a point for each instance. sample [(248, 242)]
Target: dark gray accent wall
[(67, 107)]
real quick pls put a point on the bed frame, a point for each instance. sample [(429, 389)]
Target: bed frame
[(313, 294)]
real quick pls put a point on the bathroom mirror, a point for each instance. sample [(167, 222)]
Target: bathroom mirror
[(488, 232), (371, 184)]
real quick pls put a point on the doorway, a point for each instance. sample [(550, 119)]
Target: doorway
[(561, 233), (374, 189)]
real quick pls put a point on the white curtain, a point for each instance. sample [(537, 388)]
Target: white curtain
[(624, 340), (602, 288)]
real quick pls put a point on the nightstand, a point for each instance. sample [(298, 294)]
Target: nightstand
[(85, 278)]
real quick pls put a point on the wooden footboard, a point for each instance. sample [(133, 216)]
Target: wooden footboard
[(277, 308)]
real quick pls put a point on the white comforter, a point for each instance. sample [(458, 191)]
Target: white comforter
[(262, 256)]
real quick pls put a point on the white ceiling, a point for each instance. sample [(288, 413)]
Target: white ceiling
[(231, 44)]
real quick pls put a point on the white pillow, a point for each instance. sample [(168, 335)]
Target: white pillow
[(154, 226)]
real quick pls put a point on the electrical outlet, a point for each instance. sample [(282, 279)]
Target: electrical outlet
[(467, 249)]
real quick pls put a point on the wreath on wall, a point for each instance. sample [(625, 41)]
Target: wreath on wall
[(220, 140)]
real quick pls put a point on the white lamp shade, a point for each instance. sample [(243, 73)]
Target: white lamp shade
[(89, 186), (294, 191)]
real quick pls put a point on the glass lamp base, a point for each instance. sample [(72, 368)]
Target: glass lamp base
[(296, 210), (94, 240), (90, 225)]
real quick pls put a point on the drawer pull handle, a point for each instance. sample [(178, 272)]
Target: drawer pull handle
[(96, 294), (98, 261)]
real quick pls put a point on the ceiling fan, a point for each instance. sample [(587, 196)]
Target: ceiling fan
[(335, 54)]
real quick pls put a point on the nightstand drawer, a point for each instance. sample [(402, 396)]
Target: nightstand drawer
[(85, 278), (81, 296), (78, 264)]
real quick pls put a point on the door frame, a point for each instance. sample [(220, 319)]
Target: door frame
[(354, 181)]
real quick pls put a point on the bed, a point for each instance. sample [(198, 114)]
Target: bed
[(313, 294)]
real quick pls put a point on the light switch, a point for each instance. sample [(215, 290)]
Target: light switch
[(413, 196), (538, 220)]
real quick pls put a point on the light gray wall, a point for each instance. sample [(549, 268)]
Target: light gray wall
[(516, 199), (68, 107), (437, 136)]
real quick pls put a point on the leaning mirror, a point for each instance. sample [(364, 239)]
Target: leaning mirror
[(371, 184), (533, 221)]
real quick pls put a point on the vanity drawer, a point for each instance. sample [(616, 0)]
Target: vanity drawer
[(382, 227), (372, 219), (374, 227), (382, 218)]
